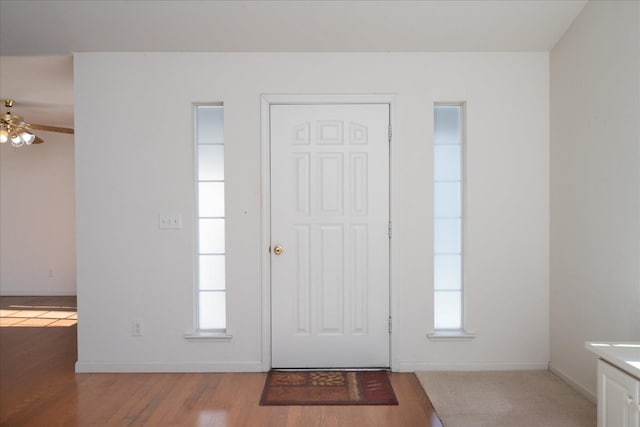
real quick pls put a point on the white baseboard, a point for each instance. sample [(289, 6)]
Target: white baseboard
[(35, 293), (161, 367), (405, 366), (574, 384)]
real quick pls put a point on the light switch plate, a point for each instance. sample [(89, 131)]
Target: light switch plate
[(169, 221)]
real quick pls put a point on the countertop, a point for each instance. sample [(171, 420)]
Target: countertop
[(624, 355)]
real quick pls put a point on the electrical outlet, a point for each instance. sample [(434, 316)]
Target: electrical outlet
[(137, 328)]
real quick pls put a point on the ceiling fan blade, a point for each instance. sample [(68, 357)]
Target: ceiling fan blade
[(38, 140), (51, 128)]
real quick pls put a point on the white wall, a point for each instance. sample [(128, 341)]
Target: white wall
[(595, 187), (134, 159), (37, 218)]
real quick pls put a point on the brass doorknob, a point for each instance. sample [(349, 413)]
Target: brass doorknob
[(277, 250)]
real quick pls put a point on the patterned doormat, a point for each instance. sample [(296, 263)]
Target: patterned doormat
[(328, 388)]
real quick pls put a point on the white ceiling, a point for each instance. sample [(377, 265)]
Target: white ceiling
[(37, 37), (54, 27)]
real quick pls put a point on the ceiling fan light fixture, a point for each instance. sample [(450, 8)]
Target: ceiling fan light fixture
[(15, 130), (16, 141), (27, 137), (21, 137)]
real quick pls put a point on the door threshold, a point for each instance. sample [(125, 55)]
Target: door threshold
[(333, 369)]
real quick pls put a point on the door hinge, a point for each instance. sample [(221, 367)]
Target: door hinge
[(390, 132), (389, 229), (389, 324)]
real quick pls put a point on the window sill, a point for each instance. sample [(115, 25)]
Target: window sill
[(451, 336), (208, 336)]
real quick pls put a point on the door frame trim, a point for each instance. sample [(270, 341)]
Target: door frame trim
[(266, 101)]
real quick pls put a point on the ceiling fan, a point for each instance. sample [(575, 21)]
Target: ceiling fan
[(17, 132)]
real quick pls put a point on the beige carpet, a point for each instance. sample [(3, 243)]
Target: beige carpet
[(506, 399)]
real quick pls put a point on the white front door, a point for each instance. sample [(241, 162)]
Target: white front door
[(330, 235)]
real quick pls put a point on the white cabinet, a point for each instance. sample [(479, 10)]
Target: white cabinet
[(618, 383), (618, 397)]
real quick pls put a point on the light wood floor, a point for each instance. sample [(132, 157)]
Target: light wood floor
[(38, 387)]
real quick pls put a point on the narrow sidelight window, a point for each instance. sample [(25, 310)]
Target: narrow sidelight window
[(210, 234), (448, 207)]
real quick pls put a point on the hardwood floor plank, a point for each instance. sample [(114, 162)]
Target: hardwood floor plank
[(38, 387)]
